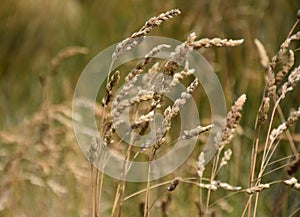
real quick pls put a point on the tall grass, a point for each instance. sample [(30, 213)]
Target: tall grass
[(147, 104), (255, 169)]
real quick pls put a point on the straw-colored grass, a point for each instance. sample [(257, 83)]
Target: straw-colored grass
[(255, 171)]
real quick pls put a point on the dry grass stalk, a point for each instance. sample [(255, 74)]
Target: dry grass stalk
[(181, 52), (126, 45), (225, 136), (115, 78), (131, 78), (67, 53), (156, 21), (201, 165), (137, 37), (283, 50), (182, 74), (123, 92), (286, 67), (273, 136), (140, 67), (196, 131), (150, 75), (270, 92), (177, 57), (271, 84), (160, 84), (257, 188), (284, 126), (171, 112), (108, 132), (226, 186), (141, 97), (216, 42), (264, 58), (226, 158), (93, 150), (212, 187), (263, 110), (143, 119), (293, 79)]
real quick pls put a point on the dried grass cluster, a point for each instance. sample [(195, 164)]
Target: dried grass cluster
[(53, 124)]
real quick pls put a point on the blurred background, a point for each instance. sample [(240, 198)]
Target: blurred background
[(42, 171)]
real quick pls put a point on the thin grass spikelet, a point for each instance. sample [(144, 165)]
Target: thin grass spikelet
[(278, 131), (211, 186), (93, 150), (283, 49), (271, 80), (115, 78), (136, 38), (67, 53), (226, 186), (293, 182), (257, 188), (288, 86), (156, 21), (293, 117), (286, 67), (201, 165), (141, 97), (143, 119), (187, 134), (182, 50), (263, 110), (284, 126), (264, 58), (226, 158), (171, 112), (225, 136), (126, 45), (271, 84), (184, 96), (156, 50), (148, 57), (150, 75), (108, 132), (179, 55), (123, 91), (216, 42), (178, 76)]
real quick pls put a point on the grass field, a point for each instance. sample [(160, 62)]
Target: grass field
[(45, 45)]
